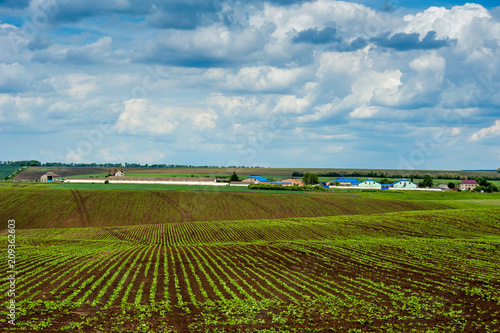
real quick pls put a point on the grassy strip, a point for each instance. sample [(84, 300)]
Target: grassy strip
[(15, 173), (305, 188)]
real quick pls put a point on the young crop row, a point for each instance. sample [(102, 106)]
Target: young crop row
[(344, 281), (438, 224), (399, 271)]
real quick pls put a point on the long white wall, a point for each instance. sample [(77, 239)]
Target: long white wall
[(101, 181), (390, 188)]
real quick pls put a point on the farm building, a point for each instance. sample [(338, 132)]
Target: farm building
[(254, 180), (344, 181), (468, 185), (48, 177), (116, 173), (404, 183), (281, 183), (443, 187), (370, 183), (294, 181)]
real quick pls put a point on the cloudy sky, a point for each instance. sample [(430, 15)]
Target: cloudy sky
[(279, 83)]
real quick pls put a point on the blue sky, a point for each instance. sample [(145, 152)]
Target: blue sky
[(280, 83)]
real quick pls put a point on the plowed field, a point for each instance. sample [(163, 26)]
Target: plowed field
[(45, 208)]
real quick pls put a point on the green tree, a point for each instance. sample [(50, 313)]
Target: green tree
[(385, 181), (234, 177), (426, 182), (451, 185), (482, 182), (310, 178)]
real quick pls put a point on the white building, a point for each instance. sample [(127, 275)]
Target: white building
[(370, 183), (404, 183)]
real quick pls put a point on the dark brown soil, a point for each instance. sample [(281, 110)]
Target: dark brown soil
[(299, 279)]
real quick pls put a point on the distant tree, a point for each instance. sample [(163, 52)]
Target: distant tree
[(426, 182), (25, 163), (234, 177), (451, 185), (498, 170), (385, 181), (310, 178)]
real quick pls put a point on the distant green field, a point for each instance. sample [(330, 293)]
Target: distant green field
[(6, 171)]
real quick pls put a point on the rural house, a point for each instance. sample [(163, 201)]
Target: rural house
[(48, 177), (254, 180), (468, 185), (116, 173)]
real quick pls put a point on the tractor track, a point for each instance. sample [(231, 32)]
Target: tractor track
[(82, 210)]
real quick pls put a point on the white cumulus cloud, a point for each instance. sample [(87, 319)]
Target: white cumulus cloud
[(140, 118), (205, 120), (487, 132), (363, 112)]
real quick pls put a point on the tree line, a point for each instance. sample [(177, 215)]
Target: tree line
[(114, 165), (386, 175)]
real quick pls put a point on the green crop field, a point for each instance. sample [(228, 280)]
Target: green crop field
[(6, 171), (200, 261)]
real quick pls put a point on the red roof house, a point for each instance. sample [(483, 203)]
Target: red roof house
[(468, 185)]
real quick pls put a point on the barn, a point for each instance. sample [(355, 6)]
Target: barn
[(48, 177)]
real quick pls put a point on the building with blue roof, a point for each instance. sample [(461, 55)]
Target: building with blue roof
[(255, 180), (345, 181), (404, 183)]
